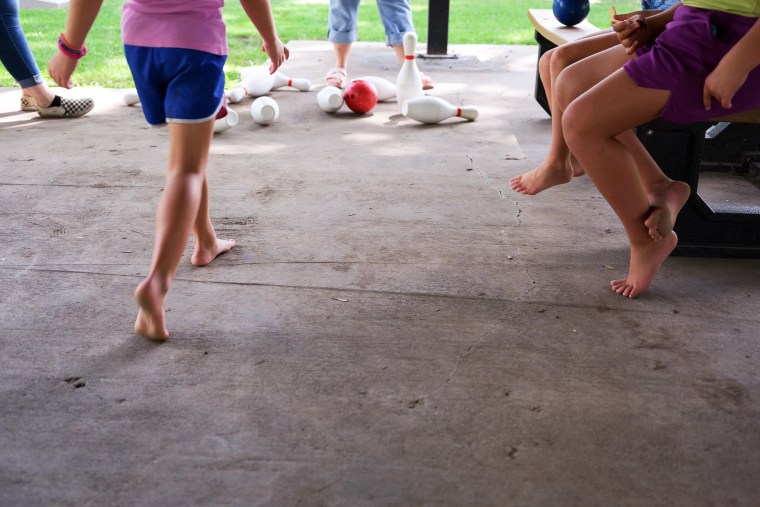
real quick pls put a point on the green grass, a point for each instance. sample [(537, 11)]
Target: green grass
[(470, 22)]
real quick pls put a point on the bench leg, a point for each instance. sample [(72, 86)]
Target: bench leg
[(539, 94)]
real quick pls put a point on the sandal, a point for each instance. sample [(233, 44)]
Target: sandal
[(28, 103), (427, 83), (337, 77)]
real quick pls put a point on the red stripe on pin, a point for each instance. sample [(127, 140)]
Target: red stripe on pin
[(290, 82), (459, 111), (409, 57)]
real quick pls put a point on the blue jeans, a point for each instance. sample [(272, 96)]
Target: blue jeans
[(342, 20), (14, 50)]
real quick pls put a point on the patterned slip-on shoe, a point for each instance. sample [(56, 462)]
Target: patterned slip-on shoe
[(69, 108), (28, 103)]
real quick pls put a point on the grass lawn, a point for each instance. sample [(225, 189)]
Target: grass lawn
[(470, 22)]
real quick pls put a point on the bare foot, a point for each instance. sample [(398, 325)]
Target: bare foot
[(645, 261), (204, 255), (150, 297), (542, 177), (666, 201)]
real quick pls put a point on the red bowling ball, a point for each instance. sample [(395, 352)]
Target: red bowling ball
[(360, 96)]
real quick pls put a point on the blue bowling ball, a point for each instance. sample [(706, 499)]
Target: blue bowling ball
[(570, 12)]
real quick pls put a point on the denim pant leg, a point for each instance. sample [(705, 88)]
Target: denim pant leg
[(14, 50), (397, 19), (342, 21)]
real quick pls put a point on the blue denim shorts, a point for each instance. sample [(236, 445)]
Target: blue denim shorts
[(342, 20), (177, 85)]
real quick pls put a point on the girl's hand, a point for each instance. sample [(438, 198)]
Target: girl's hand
[(622, 17), (60, 68), (632, 32), (277, 54), (722, 84)]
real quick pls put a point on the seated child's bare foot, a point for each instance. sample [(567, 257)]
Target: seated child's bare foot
[(204, 255), (646, 259), (150, 296), (542, 177), (666, 201)]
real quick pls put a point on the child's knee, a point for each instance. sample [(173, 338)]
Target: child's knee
[(544, 63), (560, 59), (576, 124)]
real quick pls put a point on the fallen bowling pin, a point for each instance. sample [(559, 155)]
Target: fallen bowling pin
[(299, 83), (385, 89), (258, 81), (130, 97), (226, 122), (236, 94), (330, 99), (265, 110), (429, 109)]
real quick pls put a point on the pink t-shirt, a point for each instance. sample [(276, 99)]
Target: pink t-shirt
[(189, 24)]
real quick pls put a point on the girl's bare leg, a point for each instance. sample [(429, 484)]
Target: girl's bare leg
[(177, 212), (591, 123), (558, 168), (207, 245)]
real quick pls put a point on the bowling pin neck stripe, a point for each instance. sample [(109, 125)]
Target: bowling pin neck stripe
[(409, 57), (459, 111), (290, 82)]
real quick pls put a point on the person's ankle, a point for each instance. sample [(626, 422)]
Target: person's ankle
[(53, 101)]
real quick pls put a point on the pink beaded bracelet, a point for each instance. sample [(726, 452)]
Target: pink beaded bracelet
[(66, 49)]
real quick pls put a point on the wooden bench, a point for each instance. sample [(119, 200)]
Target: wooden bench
[(714, 230)]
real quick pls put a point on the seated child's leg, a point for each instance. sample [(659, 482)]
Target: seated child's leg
[(557, 168), (591, 124), (666, 196), (544, 66)]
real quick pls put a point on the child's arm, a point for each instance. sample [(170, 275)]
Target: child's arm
[(637, 30), (79, 20), (731, 72), (260, 14)]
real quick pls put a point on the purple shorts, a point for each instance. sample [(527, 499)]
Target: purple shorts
[(682, 57)]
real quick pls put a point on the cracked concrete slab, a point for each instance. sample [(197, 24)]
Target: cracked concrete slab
[(395, 326)]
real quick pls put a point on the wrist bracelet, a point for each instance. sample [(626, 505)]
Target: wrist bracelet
[(66, 49)]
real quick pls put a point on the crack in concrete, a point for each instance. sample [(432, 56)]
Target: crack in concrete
[(489, 181)]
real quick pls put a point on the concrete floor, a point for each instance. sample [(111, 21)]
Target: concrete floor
[(395, 326)]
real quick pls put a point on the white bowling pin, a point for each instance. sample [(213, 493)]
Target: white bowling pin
[(330, 99), (258, 81), (265, 110), (227, 122), (236, 94), (385, 89), (130, 97), (431, 109), (409, 83), (299, 83)]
